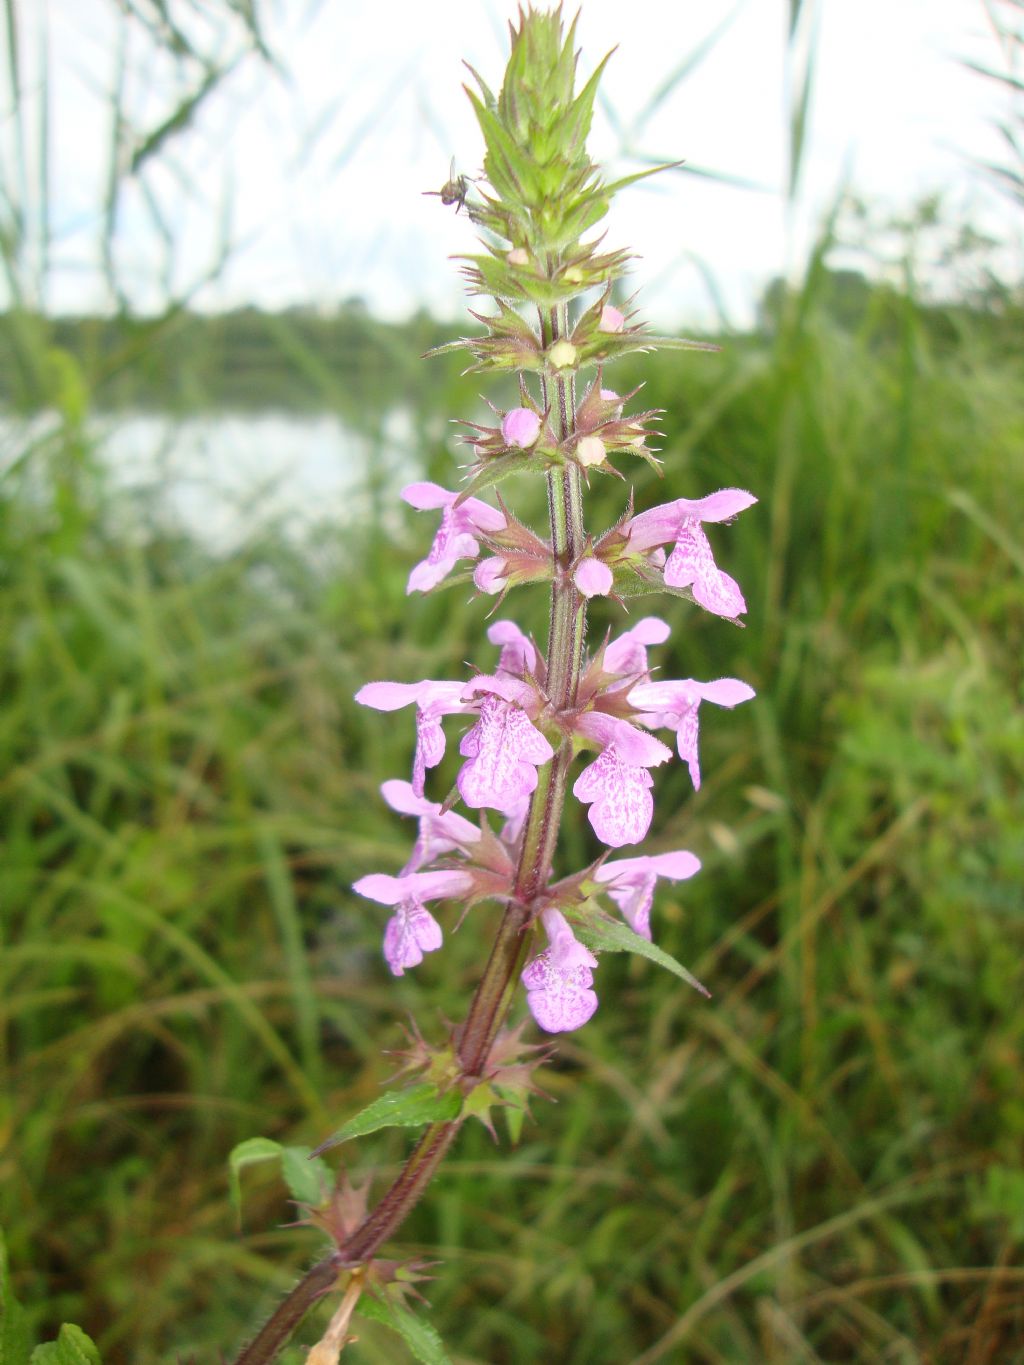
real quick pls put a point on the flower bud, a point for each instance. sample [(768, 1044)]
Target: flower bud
[(520, 427), (518, 256), (590, 451), (611, 319), (562, 355)]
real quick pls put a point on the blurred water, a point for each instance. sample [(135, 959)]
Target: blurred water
[(226, 476)]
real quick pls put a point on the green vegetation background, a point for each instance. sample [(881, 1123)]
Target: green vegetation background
[(821, 1163)]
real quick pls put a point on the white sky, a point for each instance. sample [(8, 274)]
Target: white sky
[(318, 172)]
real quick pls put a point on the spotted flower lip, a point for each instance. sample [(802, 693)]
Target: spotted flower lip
[(559, 981), (456, 536), (504, 748), (630, 883), (617, 784), (674, 706)]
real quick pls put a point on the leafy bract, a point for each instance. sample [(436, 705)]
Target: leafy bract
[(419, 1335), (72, 1347), (606, 936), (412, 1108)]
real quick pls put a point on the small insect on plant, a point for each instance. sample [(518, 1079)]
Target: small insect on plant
[(454, 190)]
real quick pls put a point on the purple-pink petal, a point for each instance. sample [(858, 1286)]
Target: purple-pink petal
[(593, 577), (411, 931), (433, 699), (426, 496), (628, 653), (674, 705), (520, 427), (559, 980), (633, 746), (518, 654), (622, 805), (692, 565), (439, 831), (503, 749), (491, 575), (508, 688), (419, 886), (659, 525), (631, 881), (455, 538)]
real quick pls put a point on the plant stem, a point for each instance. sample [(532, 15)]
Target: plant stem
[(494, 993)]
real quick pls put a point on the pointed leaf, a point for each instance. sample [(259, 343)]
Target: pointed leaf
[(421, 1338), (606, 936), (625, 180), (679, 344), (413, 1108), (462, 344), (72, 1347)]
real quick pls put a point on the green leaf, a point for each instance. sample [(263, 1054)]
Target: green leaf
[(606, 936), (625, 180), (421, 1338), (305, 1175), (678, 344), (14, 1339), (412, 1108), (72, 1347), (247, 1153), (305, 1178)]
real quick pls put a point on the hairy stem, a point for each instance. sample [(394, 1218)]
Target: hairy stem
[(493, 996)]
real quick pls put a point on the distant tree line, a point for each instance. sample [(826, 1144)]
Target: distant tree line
[(350, 362)]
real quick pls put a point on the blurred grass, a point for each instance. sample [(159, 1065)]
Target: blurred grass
[(821, 1164)]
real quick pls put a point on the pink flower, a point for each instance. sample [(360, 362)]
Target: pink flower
[(520, 427), (513, 826), (673, 705), (440, 831), (617, 783), (628, 653), (503, 747), (513, 566), (412, 930), (491, 575), (518, 652), (593, 577), (433, 700), (691, 563), (612, 320), (558, 981), (456, 536), (630, 883)]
